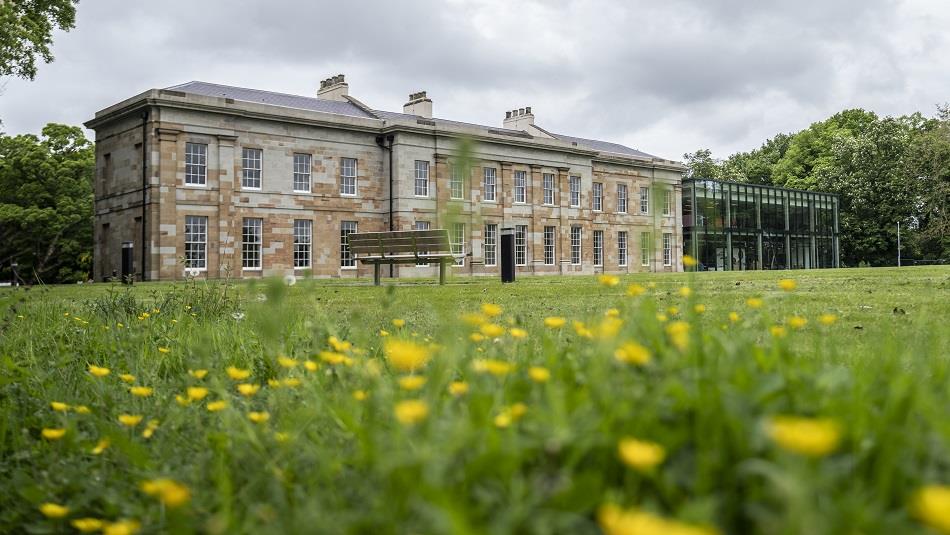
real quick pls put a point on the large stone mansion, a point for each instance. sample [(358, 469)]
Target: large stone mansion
[(250, 183)]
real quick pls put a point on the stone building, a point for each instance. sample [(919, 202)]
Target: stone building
[(249, 183)]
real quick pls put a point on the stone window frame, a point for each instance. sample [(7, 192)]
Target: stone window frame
[(644, 200), (421, 178), (598, 247), (345, 178), (346, 258), (302, 170), (490, 244), (457, 243), (247, 173), (550, 245), (667, 249), (252, 250), (200, 166), (490, 172), (303, 244), (597, 196), (668, 202), (196, 234), (622, 248), (574, 183), (521, 191), (521, 245), (622, 198), (456, 183), (548, 181), (577, 235)]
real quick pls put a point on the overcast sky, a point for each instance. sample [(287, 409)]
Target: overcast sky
[(665, 77)]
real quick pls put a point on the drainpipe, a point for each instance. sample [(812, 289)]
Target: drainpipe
[(144, 188), (379, 141)]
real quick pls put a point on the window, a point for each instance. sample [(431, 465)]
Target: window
[(668, 202), (575, 245), (346, 259), (645, 248), (252, 161), (303, 239), (667, 249), (489, 186), (622, 248), (421, 225), (491, 241), (598, 248), (621, 198), (548, 246), (598, 196), (348, 176), (196, 241), (422, 178), (521, 245), (457, 243), (575, 183), (252, 238), (302, 173), (644, 200), (548, 185), (456, 184), (196, 164), (521, 186)]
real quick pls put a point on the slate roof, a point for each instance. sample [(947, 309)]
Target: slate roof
[(350, 109)]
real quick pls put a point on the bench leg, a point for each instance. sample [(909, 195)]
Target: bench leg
[(441, 272), (376, 274)]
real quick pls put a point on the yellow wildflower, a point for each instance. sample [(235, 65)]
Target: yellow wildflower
[(672, 311), (59, 406), (130, 420), (150, 429), (554, 322), (127, 378), (258, 417), (164, 350), (615, 521), (510, 415), (633, 353), (474, 318), (699, 308), (635, 289), (122, 527), (931, 505), (608, 280), (331, 357), (689, 261), (399, 323), (609, 327), (582, 329), (291, 382), (754, 302), (287, 362), (797, 322), (100, 446), (476, 337), (182, 400), (827, 319), (518, 333), (81, 409), (383, 332), (492, 330), (406, 356), (678, 331), (787, 284), (412, 382), (170, 492), (458, 388), (87, 525), (778, 331), (248, 389), (491, 310), (215, 406), (339, 345), (141, 391), (360, 395), (98, 371), (198, 374), (640, 455), (52, 433), (281, 437), (311, 366), (662, 318), (238, 374), (813, 437), (197, 393), (493, 366), (685, 291), (273, 383), (539, 374), (53, 510), (411, 411), (734, 317)]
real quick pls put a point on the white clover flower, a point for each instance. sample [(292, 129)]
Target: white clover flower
[(290, 280), (238, 316)]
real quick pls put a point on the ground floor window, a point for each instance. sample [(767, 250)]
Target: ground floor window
[(521, 245), (598, 248), (667, 249), (645, 240), (622, 248), (252, 240), (491, 244), (422, 225), (549, 235), (196, 242), (457, 243), (575, 245), (303, 239), (346, 259)]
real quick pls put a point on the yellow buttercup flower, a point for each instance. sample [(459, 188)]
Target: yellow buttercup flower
[(493, 366), (813, 437), (98, 371), (633, 353), (491, 310), (273, 383), (412, 382), (399, 323), (331, 357), (662, 318), (554, 322), (216, 406), (678, 331), (582, 329), (685, 291), (797, 322), (640, 455), (52, 433), (615, 521), (608, 280), (931, 505), (198, 374), (247, 389), (458, 388), (130, 420), (287, 362), (474, 318), (141, 391), (476, 337), (518, 333), (672, 311), (754, 302), (101, 446), (164, 350), (609, 327), (339, 345), (699, 308), (81, 409), (87, 525), (406, 356), (182, 400), (539, 374), (510, 415), (170, 492), (196, 393), (127, 378), (787, 284), (258, 417), (150, 429), (492, 330), (778, 331), (311, 366), (58, 406), (53, 510), (238, 374), (122, 527), (827, 319), (360, 395), (689, 261), (734, 317), (411, 411), (291, 382), (635, 289)]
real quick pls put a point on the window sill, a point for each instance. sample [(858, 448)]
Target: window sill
[(251, 269), (421, 196), (248, 188), (197, 186), (301, 268), (347, 195), (303, 192), (347, 268)]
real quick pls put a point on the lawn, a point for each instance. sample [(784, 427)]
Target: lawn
[(568, 405)]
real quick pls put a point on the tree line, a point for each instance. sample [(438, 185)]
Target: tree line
[(885, 170)]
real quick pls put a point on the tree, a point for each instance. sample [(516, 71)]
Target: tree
[(46, 204), (701, 164), (26, 28), (928, 169)]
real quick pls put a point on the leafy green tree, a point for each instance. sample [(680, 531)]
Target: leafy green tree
[(928, 169), (46, 204), (701, 164), (26, 28)]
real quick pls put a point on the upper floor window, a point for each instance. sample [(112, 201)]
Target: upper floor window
[(622, 198), (644, 200), (252, 163), (547, 182), (456, 184), (668, 202), (598, 191), (422, 178), (489, 186), (575, 184), (196, 164), (521, 186), (302, 173), (348, 176), (252, 240)]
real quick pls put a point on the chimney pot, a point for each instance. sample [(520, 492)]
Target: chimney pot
[(527, 109), (520, 111), (507, 115), (333, 88)]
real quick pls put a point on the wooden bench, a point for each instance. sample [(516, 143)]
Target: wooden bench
[(402, 247)]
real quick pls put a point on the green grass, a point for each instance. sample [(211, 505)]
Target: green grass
[(880, 372)]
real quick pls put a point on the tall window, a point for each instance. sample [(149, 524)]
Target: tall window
[(575, 245), (421, 225), (622, 248), (645, 242), (456, 184), (348, 176), (521, 186), (346, 259), (547, 182), (598, 196), (252, 238), (549, 246), (668, 202), (667, 249), (644, 200), (457, 243), (622, 198), (196, 164), (196, 241), (489, 185), (575, 184), (303, 240), (598, 247), (491, 244), (252, 161), (521, 245), (422, 178), (302, 173)]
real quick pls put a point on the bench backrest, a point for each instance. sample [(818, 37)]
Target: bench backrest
[(401, 242)]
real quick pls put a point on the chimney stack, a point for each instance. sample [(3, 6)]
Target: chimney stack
[(333, 88), (419, 104), (523, 119)]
